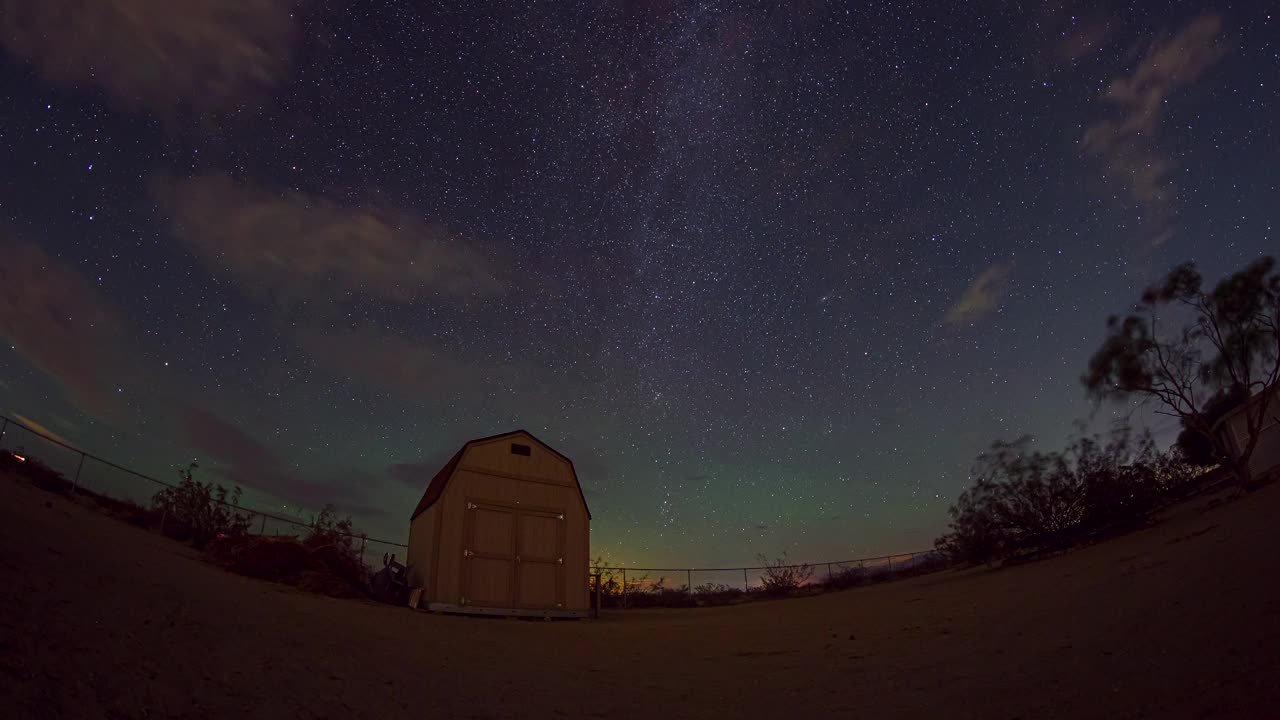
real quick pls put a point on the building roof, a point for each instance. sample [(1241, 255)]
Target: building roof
[(441, 479), (1253, 400)]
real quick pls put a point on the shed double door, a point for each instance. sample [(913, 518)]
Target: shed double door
[(513, 557)]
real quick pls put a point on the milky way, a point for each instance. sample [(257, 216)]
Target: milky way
[(770, 275)]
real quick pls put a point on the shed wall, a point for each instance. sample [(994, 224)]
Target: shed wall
[(1266, 454), (422, 544), (490, 472)]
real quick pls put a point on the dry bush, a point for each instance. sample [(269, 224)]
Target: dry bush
[(333, 541), (780, 577), (847, 577), (709, 594), (277, 558), (325, 561), (198, 512), (932, 562), (878, 575), (659, 595), (611, 588)]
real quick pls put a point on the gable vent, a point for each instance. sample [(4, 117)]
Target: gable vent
[(518, 449)]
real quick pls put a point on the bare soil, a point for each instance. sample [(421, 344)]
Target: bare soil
[(1181, 620)]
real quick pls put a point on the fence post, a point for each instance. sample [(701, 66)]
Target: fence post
[(362, 541), (599, 592), (76, 483), (828, 573), (890, 559), (624, 587), (262, 529), (689, 582), (746, 586)]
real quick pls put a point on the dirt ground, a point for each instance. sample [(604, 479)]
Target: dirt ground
[(101, 619)]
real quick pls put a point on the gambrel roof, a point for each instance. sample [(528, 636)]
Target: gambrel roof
[(441, 480)]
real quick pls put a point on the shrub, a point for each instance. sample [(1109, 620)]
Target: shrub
[(197, 511), (333, 542), (931, 562), (659, 595), (780, 577), (610, 583), (1024, 502), (847, 577), (326, 560), (277, 558), (709, 594), (878, 575)]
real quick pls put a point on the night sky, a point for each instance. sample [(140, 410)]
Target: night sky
[(770, 273)]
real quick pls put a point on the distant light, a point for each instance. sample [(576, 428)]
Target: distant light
[(20, 458)]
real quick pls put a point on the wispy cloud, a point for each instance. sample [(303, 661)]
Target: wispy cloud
[(156, 54), (981, 298), (61, 324), (424, 371), (296, 247), (40, 428), (238, 457), (389, 362), (1125, 143)]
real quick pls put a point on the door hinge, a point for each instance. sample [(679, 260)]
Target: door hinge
[(471, 506), (462, 601), (560, 516), (467, 553), (517, 558), (560, 561)]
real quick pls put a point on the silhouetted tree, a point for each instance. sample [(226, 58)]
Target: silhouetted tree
[(977, 535), (1214, 341), (1023, 500)]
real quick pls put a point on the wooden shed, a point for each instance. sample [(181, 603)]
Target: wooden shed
[(502, 529), (1233, 429)]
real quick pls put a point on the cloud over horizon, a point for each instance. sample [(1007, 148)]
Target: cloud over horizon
[(156, 54), (296, 247), (61, 324), (388, 362), (241, 459), (1125, 143)]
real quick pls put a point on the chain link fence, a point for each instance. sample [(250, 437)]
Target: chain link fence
[(618, 587), (104, 480), (624, 587)]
